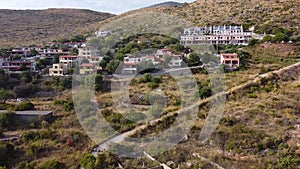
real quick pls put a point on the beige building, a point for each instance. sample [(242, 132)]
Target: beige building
[(88, 52), (87, 68), (59, 69)]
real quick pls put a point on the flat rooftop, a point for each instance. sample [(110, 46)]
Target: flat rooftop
[(32, 112)]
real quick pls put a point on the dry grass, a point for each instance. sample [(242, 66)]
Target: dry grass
[(27, 27)]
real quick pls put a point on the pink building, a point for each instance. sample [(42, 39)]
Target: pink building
[(230, 59)]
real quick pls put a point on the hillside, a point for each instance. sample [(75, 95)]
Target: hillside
[(263, 14), (25, 27), (35, 26), (260, 13), (166, 4)]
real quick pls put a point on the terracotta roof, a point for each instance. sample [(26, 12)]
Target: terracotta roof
[(131, 63), (150, 57)]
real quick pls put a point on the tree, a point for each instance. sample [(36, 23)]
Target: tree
[(23, 67), (205, 92), (4, 52), (145, 65), (3, 79), (103, 64), (33, 52), (1, 132), (24, 106), (56, 58), (267, 38), (7, 119), (253, 42), (279, 37), (88, 161), (167, 59), (26, 77), (5, 95), (52, 164), (113, 65), (66, 83), (42, 63), (74, 51), (98, 82), (295, 38), (7, 152), (23, 90), (194, 59), (119, 56)]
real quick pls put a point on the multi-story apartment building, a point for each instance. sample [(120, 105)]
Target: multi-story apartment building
[(59, 69), (216, 35), (19, 65), (88, 52), (69, 60)]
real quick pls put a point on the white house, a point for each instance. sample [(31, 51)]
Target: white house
[(175, 61), (70, 60), (130, 64), (102, 33), (216, 35)]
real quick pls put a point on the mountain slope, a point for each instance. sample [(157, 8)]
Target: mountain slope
[(166, 4), (35, 26), (263, 14), (260, 13)]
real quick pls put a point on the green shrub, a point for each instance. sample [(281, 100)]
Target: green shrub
[(156, 80), (205, 92), (58, 102), (24, 106), (288, 162), (25, 165), (88, 161), (252, 95), (279, 37), (51, 164), (253, 42), (153, 85), (37, 135), (7, 119), (1, 133), (146, 78), (295, 38), (7, 152)]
